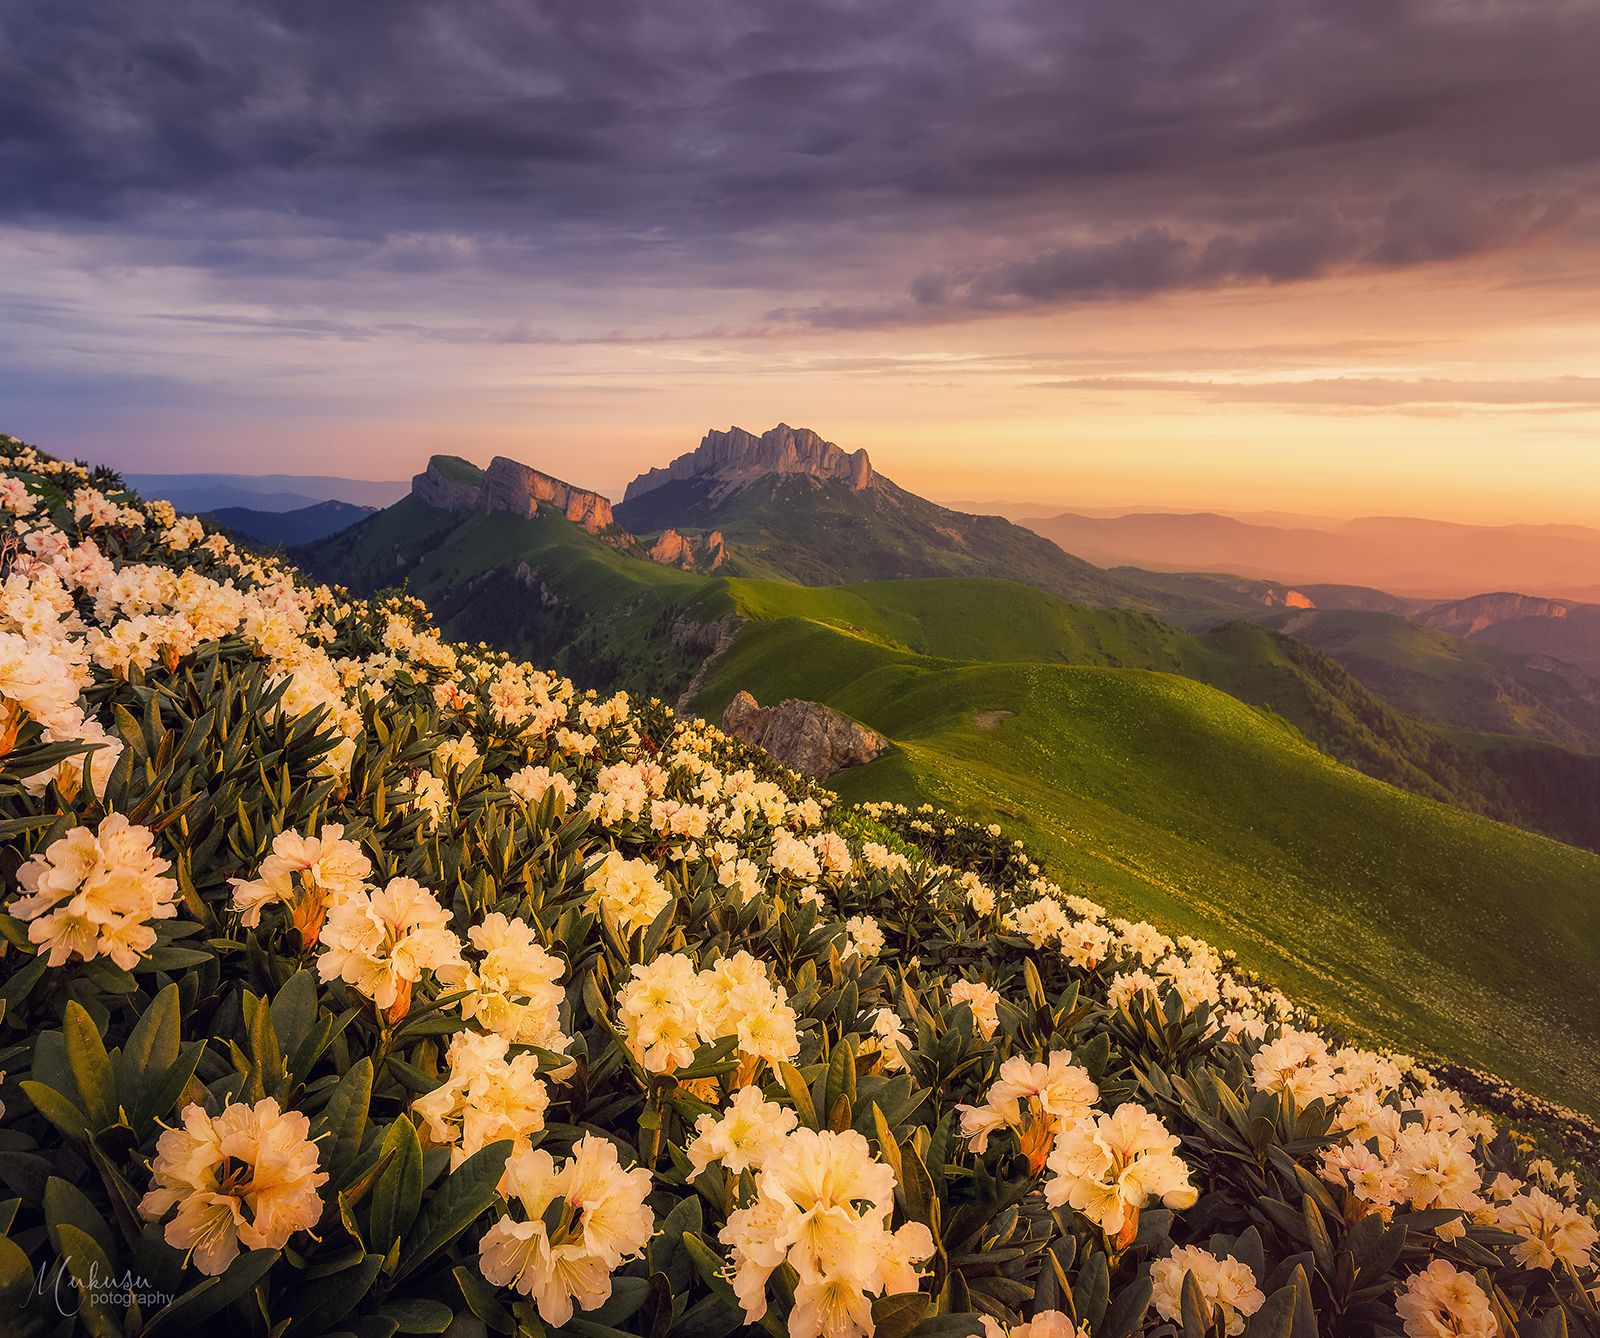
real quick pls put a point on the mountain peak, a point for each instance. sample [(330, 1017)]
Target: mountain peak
[(454, 484), (736, 457)]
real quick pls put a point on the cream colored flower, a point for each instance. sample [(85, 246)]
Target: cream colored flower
[(245, 1179), (383, 941), (1442, 1302), (628, 892), (984, 1001), (603, 1220), (1109, 1168), (823, 1206), (531, 784), (1551, 1231), (1224, 1283), (306, 874), (95, 893), (488, 1095), (513, 990), (743, 1136), (1037, 1102), (659, 1010)]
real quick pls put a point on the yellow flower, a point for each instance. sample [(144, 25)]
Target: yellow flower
[(382, 941), (246, 1179), (1109, 1168), (603, 1220)]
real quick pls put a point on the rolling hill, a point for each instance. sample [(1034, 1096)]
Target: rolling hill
[(1167, 798), (1453, 680), (289, 529), (1560, 629)]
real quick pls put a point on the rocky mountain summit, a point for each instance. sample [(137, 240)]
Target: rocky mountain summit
[(805, 736), (453, 484), (736, 457)]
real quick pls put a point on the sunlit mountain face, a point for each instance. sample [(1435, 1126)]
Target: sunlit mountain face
[(1337, 258)]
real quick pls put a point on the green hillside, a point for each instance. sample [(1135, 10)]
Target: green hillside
[(1454, 681), (1166, 798), (529, 586), (1161, 795), (1542, 789)]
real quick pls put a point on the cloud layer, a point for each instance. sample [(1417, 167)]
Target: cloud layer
[(940, 156)]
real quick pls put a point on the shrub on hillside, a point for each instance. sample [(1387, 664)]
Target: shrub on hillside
[(354, 982)]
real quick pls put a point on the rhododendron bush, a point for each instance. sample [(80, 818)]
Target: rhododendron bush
[(355, 982)]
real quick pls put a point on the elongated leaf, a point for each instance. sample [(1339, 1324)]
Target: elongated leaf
[(397, 1195), (465, 1196), (91, 1066), (344, 1121), (213, 1294)]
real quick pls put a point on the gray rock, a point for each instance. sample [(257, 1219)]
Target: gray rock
[(805, 736)]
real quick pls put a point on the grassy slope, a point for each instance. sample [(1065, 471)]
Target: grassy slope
[(1435, 676), (1163, 797), (529, 586)]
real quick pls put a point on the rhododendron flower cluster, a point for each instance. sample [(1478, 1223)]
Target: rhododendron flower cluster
[(96, 894), (1108, 1167), (489, 1094), (306, 875), (668, 1009), (600, 1218), (383, 940), (244, 1179), (1036, 1101), (1225, 1284), (823, 1206)]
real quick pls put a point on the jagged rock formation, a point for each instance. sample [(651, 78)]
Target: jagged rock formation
[(449, 483), (806, 736), (1468, 617), (704, 552), (507, 485), (735, 457)]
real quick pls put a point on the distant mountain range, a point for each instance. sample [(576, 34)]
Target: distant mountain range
[(203, 494), (289, 529), (1429, 559)]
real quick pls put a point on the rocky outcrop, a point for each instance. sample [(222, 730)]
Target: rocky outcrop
[(449, 483), (805, 736), (514, 487), (735, 457), (704, 552), (1468, 617), (507, 485)]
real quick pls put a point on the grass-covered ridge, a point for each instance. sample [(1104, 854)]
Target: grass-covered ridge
[(356, 982), (1169, 799)]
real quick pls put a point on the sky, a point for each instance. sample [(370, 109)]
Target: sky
[(1329, 256)]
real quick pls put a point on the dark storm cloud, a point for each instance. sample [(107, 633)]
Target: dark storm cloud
[(1013, 154)]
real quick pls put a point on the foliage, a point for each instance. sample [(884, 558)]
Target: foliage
[(299, 765)]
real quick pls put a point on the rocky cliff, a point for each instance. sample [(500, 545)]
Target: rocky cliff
[(736, 456), (455, 485), (704, 552), (449, 483), (1468, 617), (805, 736)]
